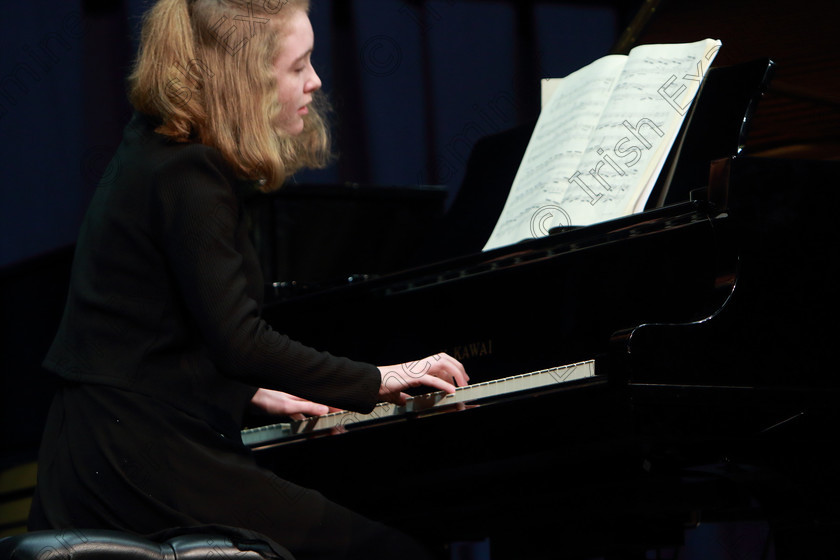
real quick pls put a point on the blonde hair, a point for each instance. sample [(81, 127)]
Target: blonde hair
[(205, 69)]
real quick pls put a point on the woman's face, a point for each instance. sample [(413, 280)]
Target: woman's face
[(296, 78)]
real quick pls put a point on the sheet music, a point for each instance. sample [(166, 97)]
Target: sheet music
[(562, 132), (635, 100), (602, 139)]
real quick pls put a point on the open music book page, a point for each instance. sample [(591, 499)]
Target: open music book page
[(601, 140)]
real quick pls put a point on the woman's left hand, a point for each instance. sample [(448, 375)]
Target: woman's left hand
[(284, 404)]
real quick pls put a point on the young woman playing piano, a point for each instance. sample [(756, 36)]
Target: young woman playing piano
[(161, 347)]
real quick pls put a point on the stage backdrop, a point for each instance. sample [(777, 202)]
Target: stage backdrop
[(413, 83)]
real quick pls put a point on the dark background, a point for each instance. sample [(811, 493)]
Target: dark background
[(414, 84)]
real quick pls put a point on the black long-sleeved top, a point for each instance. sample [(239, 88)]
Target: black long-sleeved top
[(166, 290)]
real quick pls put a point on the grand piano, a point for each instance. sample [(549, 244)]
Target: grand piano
[(684, 356), (634, 380)]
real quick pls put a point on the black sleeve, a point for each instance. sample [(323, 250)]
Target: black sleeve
[(199, 215)]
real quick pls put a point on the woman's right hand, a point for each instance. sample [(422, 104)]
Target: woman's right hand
[(441, 372), (278, 403)]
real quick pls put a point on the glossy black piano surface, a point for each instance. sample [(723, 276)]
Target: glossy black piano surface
[(708, 322), (521, 308)]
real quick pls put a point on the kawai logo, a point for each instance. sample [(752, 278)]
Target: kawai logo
[(477, 349)]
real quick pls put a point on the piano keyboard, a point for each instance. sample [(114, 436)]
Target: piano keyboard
[(275, 433)]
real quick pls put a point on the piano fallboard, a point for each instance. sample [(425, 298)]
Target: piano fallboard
[(527, 307)]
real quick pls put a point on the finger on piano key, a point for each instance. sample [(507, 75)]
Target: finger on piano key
[(462, 398)]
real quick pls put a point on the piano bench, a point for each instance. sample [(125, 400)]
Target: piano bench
[(78, 544)]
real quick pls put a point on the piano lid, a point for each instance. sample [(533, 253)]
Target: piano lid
[(800, 114)]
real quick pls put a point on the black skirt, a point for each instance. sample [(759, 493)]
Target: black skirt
[(113, 459)]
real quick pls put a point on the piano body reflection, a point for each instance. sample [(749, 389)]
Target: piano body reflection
[(631, 378)]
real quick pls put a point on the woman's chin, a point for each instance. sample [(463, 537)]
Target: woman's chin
[(291, 128)]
